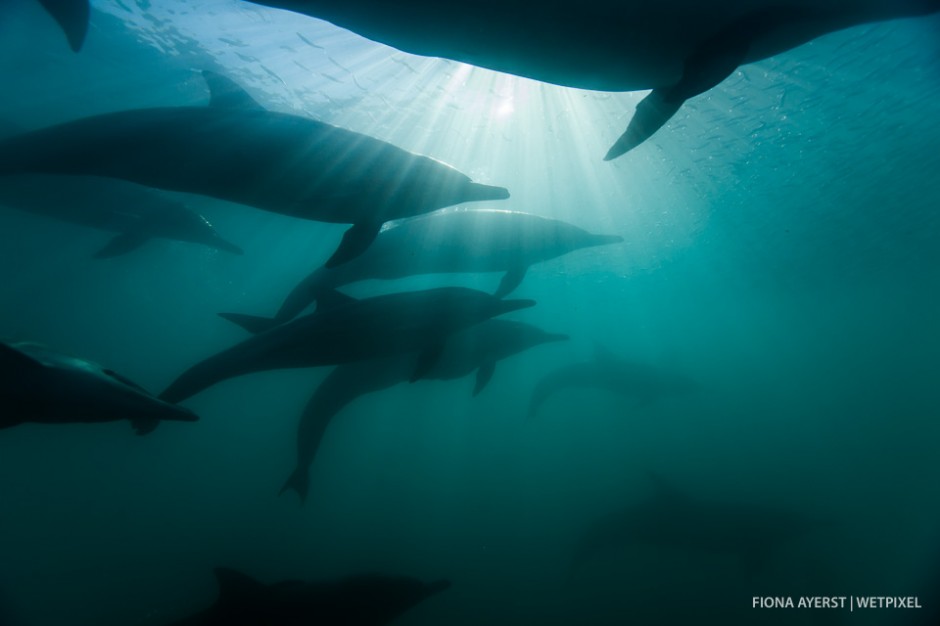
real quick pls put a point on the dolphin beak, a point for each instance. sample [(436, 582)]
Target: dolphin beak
[(226, 246), (507, 306), (476, 191)]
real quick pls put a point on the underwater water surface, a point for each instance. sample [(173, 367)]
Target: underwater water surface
[(780, 253)]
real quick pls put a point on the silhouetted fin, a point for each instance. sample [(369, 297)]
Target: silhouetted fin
[(255, 324), (484, 375), (226, 93), (427, 359), (651, 114), (511, 280), (122, 244), (72, 16), (299, 481), (355, 241), (331, 298), (145, 425), (236, 588)]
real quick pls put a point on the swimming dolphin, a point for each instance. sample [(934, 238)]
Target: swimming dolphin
[(451, 240), (363, 600), (236, 150), (638, 381), (671, 518), (347, 330), (137, 213), (72, 16), (38, 385), (677, 48), (476, 349)]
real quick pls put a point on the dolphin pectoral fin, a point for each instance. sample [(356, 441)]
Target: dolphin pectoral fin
[(144, 425), (72, 16), (427, 359), (651, 114), (255, 324), (122, 244), (299, 481), (511, 280), (226, 93), (484, 376), (355, 241)]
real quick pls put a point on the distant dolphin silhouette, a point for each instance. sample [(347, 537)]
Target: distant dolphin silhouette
[(450, 241), (476, 349), (137, 213), (235, 150), (677, 48), (38, 385), (349, 330), (672, 518), (363, 600), (637, 381), (72, 16)]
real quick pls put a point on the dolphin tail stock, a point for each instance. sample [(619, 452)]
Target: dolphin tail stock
[(254, 324), (121, 244), (72, 16), (355, 241), (299, 482)]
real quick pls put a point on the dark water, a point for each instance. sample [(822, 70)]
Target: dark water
[(781, 250)]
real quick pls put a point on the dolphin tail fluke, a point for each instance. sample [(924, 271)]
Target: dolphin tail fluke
[(299, 482), (355, 241), (121, 244), (255, 324), (651, 114), (72, 16), (145, 425)]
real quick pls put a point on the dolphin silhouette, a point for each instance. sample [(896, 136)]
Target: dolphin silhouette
[(638, 381), (136, 213), (363, 600), (677, 48), (451, 241), (72, 16), (349, 330), (42, 386), (236, 150)]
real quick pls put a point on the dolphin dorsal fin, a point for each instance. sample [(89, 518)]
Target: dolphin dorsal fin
[(235, 587), (225, 93), (331, 298)]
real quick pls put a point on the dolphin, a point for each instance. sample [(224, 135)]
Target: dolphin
[(72, 16), (476, 349), (451, 241), (638, 381), (363, 600), (674, 519), (136, 213), (349, 330), (236, 150), (677, 48), (42, 386)]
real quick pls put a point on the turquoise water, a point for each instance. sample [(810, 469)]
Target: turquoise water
[(780, 250)]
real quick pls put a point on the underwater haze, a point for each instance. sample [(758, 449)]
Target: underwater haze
[(778, 282)]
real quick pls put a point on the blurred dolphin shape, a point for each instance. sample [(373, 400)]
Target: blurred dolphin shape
[(348, 330), (42, 386), (362, 600), (451, 241), (72, 16), (236, 150), (137, 213), (677, 48)]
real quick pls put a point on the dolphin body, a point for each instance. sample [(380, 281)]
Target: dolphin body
[(450, 241), (236, 150), (677, 48), (38, 385), (671, 518), (363, 600), (476, 349), (136, 213), (349, 330), (638, 381)]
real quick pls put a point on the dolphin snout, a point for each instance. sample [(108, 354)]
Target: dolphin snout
[(182, 414), (476, 191)]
